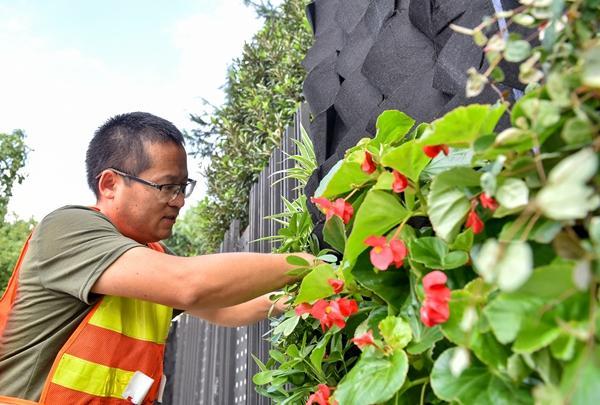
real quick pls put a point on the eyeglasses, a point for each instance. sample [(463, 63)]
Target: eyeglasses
[(167, 192)]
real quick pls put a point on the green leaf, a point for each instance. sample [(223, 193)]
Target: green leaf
[(391, 126), (408, 159), (316, 356), (566, 195), (315, 286), (516, 51), (391, 285), (396, 332), (373, 379), (463, 125), (384, 181), (434, 253), (379, 212), (287, 327), (475, 385), (447, 203), (591, 66), (577, 131), (507, 264), (464, 241), (582, 378), (441, 163), (334, 233), (467, 333), (297, 261), (513, 193), (263, 377), (506, 313), (344, 176), (425, 340)]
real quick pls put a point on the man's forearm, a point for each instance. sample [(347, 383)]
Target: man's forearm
[(228, 279), (242, 314)]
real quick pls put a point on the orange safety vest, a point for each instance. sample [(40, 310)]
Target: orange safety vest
[(115, 356)]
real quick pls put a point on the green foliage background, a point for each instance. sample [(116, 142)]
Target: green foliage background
[(263, 90), (13, 155)]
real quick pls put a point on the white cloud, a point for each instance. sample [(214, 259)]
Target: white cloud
[(59, 95)]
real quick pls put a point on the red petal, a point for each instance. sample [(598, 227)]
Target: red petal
[(337, 285), (445, 149), (303, 308), (347, 306), (432, 150), (368, 166), (383, 258), (474, 222), (488, 202), (398, 249), (400, 182), (376, 241), (435, 278), (363, 340)]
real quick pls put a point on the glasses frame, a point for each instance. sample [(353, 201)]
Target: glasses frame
[(182, 187)]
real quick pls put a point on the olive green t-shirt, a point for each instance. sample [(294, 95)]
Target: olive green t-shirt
[(68, 251)]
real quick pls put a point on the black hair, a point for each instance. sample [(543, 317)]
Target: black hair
[(119, 143)]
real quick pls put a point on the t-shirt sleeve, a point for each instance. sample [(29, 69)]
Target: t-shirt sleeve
[(71, 247)]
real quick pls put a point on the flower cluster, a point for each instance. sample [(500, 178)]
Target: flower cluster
[(329, 313), (383, 253), (435, 308), (322, 396), (339, 207)]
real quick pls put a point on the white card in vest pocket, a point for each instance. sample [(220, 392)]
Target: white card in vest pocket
[(138, 388)]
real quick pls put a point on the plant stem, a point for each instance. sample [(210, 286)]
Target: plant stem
[(404, 221), (422, 400)]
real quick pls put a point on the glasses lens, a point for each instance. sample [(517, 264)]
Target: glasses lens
[(189, 188)]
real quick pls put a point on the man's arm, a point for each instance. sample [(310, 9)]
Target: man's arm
[(245, 313), (195, 283)]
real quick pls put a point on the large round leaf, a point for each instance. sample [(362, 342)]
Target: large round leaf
[(373, 379), (475, 385), (447, 203), (378, 213)]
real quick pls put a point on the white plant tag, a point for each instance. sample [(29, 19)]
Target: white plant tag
[(138, 388)]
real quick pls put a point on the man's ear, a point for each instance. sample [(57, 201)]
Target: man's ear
[(107, 184)]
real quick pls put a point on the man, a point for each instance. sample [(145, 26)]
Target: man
[(94, 290)]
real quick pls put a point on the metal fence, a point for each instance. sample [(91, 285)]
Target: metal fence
[(208, 364)]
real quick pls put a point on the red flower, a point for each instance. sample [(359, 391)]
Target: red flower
[(488, 202), (435, 309), (433, 150), (474, 222), (334, 312), (340, 208), (381, 254), (303, 308), (368, 166), (400, 182), (347, 306), (321, 396), (337, 285), (399, 251), (365, 339)]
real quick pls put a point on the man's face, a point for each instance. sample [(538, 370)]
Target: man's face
[(140, 214)]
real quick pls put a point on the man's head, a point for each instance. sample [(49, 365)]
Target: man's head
[(119, 144), (137, 167)]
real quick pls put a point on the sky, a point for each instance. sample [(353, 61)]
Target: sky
[(67, 66)]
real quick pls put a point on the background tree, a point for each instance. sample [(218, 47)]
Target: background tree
[(13, 155), (263, 90)]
